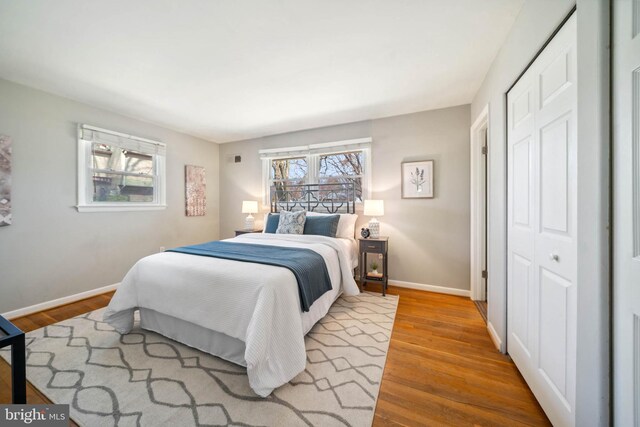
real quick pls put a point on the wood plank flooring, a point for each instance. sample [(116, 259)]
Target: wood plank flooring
[(442, 368)]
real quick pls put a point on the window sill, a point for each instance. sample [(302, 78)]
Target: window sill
[(119, 208)]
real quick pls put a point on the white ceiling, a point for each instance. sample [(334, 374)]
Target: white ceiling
[(226, 70)]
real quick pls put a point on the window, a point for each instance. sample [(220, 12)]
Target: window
[(341, 168), (287, 173), (328, 163), (119, 172)]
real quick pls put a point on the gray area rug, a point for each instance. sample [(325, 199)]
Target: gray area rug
[(146, 379)]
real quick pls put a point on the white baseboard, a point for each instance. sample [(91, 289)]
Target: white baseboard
[(58, 302), (494, 337), (430, 288)]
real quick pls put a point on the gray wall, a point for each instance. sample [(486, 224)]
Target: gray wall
[(535, 24), (52, 251), (429, 238)]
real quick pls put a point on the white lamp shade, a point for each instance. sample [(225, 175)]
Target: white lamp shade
[(374, 207), (249, 207)]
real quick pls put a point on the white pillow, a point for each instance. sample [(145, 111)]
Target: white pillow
[(346, 224)]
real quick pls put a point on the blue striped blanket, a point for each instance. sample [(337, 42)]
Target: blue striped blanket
[(306, 265)]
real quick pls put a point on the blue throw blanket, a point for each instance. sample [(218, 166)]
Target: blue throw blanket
[(306, 265)]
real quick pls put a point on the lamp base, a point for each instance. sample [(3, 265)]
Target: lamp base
[(374, 228), (249, 223)]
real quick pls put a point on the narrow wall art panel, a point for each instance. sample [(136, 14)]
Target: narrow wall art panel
[(5, 180), (195, 190)]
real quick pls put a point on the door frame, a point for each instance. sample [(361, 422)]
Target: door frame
[(477, 204)]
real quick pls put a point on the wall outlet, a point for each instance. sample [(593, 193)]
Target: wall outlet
[(161, 248)]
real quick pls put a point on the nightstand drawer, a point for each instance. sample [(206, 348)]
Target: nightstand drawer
[(372, 246)]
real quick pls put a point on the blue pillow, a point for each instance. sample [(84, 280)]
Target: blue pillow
[(272, 223), (322, 225)]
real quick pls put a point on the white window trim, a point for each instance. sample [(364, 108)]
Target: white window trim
[(85, 202), (312, 153)]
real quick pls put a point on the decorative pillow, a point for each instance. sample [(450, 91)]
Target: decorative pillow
[(291, 222), (346, 225), (324, 225), (271, 223)]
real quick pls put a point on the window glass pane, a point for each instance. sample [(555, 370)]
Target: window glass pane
[(342, 164), (332, 192), (138, 163), (288, 190), (343, 168), (289, 169), (109, 157), (287, 175), (116, 187)]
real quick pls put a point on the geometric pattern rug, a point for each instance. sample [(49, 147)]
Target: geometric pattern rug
[(146, 379)]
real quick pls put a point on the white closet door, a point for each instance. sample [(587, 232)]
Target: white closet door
[(542, 187), (626, 212)]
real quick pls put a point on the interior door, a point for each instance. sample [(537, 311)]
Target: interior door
[(542, 214), (626, 212)]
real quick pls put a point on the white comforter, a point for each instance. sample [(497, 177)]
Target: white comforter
[(258, 304)]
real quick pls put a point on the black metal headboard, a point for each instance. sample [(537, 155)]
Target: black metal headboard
[(332, 198)]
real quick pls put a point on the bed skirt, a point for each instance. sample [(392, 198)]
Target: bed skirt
[(207, 340)]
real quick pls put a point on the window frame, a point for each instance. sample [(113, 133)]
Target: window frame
[(312, 154), (85, 174)]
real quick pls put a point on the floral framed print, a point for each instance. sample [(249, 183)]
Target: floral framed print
[(417, 180)]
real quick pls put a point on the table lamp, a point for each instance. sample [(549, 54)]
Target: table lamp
[(374, 208), (249, 207)]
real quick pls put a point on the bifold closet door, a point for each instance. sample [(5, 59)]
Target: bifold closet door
[(542, 187), (626, 212)]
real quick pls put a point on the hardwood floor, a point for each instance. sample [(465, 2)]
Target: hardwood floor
[(442, 368)]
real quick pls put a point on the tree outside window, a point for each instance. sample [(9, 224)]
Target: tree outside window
[(342, 168), (332, 168)]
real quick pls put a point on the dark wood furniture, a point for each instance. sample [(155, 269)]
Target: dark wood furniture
[(373, 246), (239, 232), (14, 337)]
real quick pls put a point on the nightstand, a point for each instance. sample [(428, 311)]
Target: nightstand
[(239, 232), (379, 247)]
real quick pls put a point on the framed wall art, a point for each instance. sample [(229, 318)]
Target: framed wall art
[(417, 180), (5, 180), (195, 191)]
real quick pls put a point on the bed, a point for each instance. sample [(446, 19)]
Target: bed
[(250, 314)]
